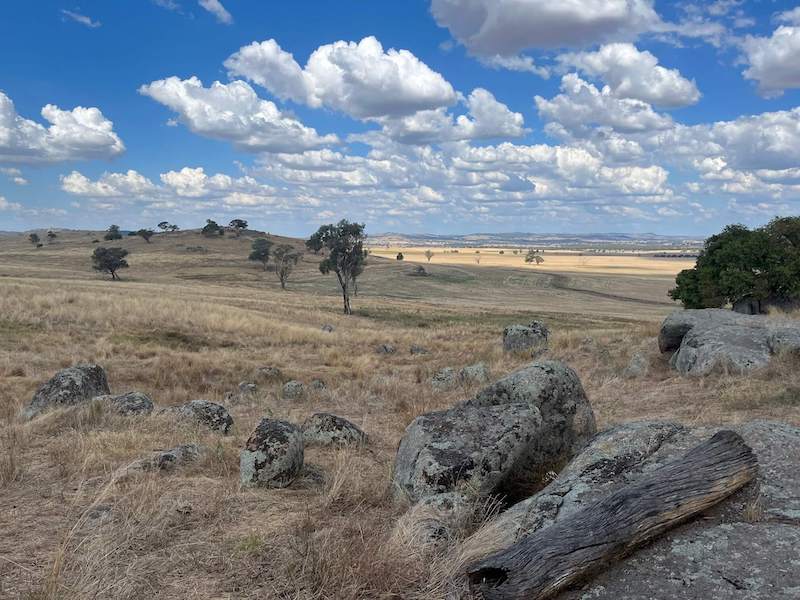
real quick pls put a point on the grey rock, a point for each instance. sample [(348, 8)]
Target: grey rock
[(247, 388), (68, 387), (167, 460), (477, 373), (326, 429), (318, 385), (486, 450), (724, 347), (556, 391), (784, 339), (132, 403), (272, 456), (433, 521), (294, 390), (386, 349), (328, 328), (444, 379), (638, 366), (728, 550), (680, 322), (267, 374), (418, 349), (214, 416), (533, 336)]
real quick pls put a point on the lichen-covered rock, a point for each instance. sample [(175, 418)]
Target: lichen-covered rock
[(556, 391), (318, 385), (326, 429), (328, 328), (132, 403), (739, 549), (267, 374), (415, 349), (730, 348), (166, 460), (638, 366), (444, 379), (472, 374), (680, 322), (485, 449), (214, 416), (385, 349), (533, 336), (294, 390), (272, 456), (68, 387), (247, 388)]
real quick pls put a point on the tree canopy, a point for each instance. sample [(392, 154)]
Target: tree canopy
[(738, 264), (260, 251), (109, 260), (212, 228), (238, 225), (34, 238), (285, 257), (346, 255), (113, 233), (145, 234), (534, 256)]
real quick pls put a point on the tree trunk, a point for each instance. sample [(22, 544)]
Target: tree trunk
[(545, 563)]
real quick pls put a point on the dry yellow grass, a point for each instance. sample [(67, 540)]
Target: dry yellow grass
[(186, 325)]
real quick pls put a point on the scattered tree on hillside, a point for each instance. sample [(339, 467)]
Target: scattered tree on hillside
[(429, 254), (166, 226), (145, 234), (502, 252), (238, 225), (285, 257), (109, 260), (534, 256), (112, 233), (212, 228), (260, 251), (750, 269), (51, 236), (400, 256), (346, 255), (34, 238)]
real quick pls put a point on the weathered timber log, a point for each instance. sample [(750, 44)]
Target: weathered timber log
[(545, 563)]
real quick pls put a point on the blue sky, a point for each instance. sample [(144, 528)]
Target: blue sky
[(442, 116)]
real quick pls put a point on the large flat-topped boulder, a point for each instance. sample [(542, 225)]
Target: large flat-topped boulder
[(707, 340)]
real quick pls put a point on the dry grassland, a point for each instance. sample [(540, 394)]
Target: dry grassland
[(185, 324)]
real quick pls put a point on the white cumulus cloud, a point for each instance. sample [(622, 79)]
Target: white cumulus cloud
[(215, 8), (774, 62)]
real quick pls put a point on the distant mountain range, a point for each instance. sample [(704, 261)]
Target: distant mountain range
[(546, 240)]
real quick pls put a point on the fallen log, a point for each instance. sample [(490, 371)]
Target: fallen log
[(545, 563)]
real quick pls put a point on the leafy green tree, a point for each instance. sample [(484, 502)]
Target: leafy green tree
[(346, 255), (400, 256), (534, 256), (34, 238), (113, 233), (758, 266), (260, 251), (109, 260), (51, 236), (145, 234), (212, 228), (285, 257), (238, 225), (315, 243), (429, 254), (166, 226)]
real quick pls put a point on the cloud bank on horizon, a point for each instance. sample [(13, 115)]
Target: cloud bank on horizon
[(472, 115)]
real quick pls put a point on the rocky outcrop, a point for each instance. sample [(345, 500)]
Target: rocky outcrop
[(68, 387), (517, 338), (326, 429), (472, 374), (167, 460), (502, 441), (385, 349), (272, 456), (294, 390), (210, 414), (707, 340), (132, 403), (739, 548)]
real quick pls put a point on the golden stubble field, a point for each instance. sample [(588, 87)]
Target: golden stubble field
[(192, 318)]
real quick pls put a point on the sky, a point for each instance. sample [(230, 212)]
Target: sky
[(434, 116)]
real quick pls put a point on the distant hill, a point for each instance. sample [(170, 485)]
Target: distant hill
[(546, 240)]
